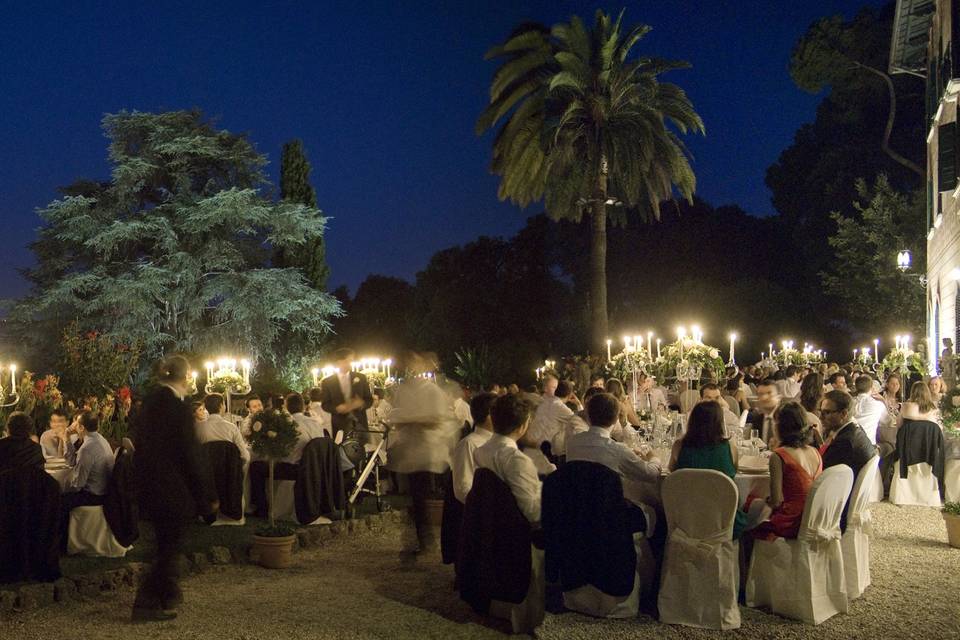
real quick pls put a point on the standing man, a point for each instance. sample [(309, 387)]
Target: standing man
[(172, 485), (346, 395)]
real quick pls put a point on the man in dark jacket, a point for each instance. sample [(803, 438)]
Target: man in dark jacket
[(18, 450), (847, 442), (172, 484), (346, 395)]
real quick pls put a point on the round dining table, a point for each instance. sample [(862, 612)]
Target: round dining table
[(59, 473)]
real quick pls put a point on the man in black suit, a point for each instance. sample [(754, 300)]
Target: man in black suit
[(346, 395), (18, 450), (174, 485), (847, 442)]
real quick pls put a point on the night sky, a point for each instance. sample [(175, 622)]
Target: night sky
[(383, 94)]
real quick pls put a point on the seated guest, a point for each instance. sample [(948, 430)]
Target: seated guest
[(736, 389), (596, 445), (464, 455), (200, 413), (789, 386), (706, 446), (793, 468), (510, 417), (92, 464), (216, 428), (761, 417), (627, 413), (811, 392), (553, 420), (710, 392), (254, 406), (838, 382), (315, 410), (649, 397), (54, 440), (891, 394), (845, 441), (868, 412), (920, 404), (17, 449), (460, 407)]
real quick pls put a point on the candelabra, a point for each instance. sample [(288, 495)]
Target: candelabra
[(9, 395), (223, 377)]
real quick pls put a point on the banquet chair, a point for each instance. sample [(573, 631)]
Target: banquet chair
[(229, 474), (743, 422), (855, 541), (920, 487), (951, 480), (733, 404), (90, 534), (699, 579), (803, 578)]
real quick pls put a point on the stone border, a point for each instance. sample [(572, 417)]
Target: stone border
[(68, 589)]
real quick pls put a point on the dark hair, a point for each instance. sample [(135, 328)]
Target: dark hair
[(836, 376), (509, 412), (480, 406), (708, 386), (590, 392), (791, 371), (705, 426), (864, 384), (59, 412), (173, 369), (19, 425), (316, 394), (294, 403), (564, 389), (250, 399), (894, 376), (733, 384), (196, 404), (343, 354), (90, 421), (767, 382), (811, 391), (792, 429), (603, 409), (213, 402), (840, 399)]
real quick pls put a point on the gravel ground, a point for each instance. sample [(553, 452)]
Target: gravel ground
[(359, 589)]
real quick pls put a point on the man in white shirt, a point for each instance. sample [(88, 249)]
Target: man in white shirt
[(216, 428), (254, 406), (464, 463), (92, 464), (553, 421), (461, 409), (54, 440), (789, 387), (316, 411), (307, 427), (711, 393), (869, 412), (510, 416), (596, 445), (838, 382), (649, 397)]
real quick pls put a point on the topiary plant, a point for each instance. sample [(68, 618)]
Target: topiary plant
[(273, 434)]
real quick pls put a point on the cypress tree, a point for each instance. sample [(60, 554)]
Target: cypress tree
[(295, 188)]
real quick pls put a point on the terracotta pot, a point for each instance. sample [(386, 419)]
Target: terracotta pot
[(275, 552), (434, 511), (953, 529)]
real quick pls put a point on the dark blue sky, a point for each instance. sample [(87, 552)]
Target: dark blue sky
[(384, 95)]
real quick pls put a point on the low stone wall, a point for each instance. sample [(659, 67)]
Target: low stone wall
[(92, 585)]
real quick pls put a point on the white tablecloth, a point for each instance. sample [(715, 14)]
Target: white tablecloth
[(60, 475), (757, 484)]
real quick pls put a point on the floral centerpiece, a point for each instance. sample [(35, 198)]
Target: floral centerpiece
[(225, 380), (789, 356), (903, 360), (624, 364), (690, 359), (273, 435)]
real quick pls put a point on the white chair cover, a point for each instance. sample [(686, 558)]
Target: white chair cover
[(90, 535), (876, 491), (590, 601), (855, 542), (286, 507), (743, 423), (700, 576), (528, 615), (951, 480), (920, 487), (688, 399), (224, 521), (803, 578)]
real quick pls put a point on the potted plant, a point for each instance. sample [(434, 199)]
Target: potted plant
[(951, 516), (434, 502), (273, 435)]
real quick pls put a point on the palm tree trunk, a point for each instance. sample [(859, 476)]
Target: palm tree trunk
[(598, 262)]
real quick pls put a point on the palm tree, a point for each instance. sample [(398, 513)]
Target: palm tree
[(586, 128)]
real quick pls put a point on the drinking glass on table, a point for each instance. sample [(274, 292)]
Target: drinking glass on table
[(754, 438)]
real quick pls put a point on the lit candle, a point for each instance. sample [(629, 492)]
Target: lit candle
[(13, 378), (876, 349), (626, 343), (316, 376), (658, 348), (246, 371), (733, 338), (609, 342), (681, 334), (209, 367), (855, 354), (649, 344), (637, 343), (386, 365), (771, 350)]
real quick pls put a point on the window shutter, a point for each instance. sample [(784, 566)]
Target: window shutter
[(947, 157), (930, 205)]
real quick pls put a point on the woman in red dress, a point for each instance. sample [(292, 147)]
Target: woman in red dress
[(794, 466)]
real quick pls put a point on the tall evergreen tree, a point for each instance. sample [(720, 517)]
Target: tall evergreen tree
[(173, 252), (295, 187)]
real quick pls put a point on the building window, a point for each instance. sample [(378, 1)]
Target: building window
[(947, 157)]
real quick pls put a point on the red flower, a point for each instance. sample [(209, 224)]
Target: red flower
[(124, 394), (92, 335), (40, 386)]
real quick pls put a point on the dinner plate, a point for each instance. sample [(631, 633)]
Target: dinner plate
[(56, 466)]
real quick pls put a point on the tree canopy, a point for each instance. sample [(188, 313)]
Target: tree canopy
[(173, 252)]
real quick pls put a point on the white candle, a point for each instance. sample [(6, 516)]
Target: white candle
[(609, 342), (658, 348), (876, 349), (13, 378), (733, 338), (649, 344)]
